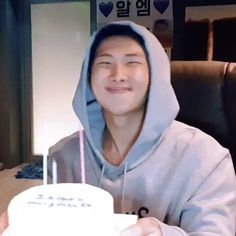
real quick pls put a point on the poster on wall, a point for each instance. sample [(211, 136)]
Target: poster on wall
[(155, 15)]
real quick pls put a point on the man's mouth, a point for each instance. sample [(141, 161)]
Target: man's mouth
[(118, 89)]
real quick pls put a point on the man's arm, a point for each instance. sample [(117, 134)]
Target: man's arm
[(210, 210), (3, 222)]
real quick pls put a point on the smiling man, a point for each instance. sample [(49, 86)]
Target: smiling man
[(119, 81), (177, 179)]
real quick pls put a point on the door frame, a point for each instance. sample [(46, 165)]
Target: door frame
[(24, 16)]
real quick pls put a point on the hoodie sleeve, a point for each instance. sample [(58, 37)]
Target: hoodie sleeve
[(212, 208)]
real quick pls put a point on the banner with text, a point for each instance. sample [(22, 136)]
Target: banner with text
[(155, 15)]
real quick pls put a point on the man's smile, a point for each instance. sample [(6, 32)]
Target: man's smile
[(118, 89)]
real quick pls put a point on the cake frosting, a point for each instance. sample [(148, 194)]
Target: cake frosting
[(62, 209)]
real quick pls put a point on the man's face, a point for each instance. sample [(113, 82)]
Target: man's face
[(120, 75)]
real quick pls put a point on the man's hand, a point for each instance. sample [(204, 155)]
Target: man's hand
[(144, 227), (3, 222)]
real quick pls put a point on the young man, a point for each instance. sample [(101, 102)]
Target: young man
[(177, 179)]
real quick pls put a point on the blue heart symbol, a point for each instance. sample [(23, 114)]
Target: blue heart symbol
[(106, 8), (161, 5)]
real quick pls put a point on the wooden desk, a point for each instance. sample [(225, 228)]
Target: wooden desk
[(10, 186)]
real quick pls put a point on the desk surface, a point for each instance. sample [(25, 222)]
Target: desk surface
[(10, 186)]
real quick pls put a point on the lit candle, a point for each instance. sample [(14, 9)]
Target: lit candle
[(54, 171), (82, 161)]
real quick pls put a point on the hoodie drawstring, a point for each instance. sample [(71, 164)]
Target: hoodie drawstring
[(101, 177), (123, 185)]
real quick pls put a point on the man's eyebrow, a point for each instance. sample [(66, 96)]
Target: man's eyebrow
[(103, 55), (138, 54)]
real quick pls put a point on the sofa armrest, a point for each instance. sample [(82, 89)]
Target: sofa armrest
[(230, 102)]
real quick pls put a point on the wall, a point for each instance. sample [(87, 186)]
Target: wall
[(10, 116), (60, 33)]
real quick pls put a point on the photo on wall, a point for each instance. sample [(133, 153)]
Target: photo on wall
[(163, 30)]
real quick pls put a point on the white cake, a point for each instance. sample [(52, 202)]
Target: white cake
[(61, 210)]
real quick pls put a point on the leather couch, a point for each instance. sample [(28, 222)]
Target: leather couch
[(206, 91)]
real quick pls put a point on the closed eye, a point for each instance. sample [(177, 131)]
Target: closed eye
[(104, 63), (103, 59), (134, 63)]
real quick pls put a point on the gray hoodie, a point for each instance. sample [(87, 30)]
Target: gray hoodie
[(173, 172)]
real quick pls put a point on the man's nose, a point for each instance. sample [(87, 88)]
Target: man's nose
[(118, 73)]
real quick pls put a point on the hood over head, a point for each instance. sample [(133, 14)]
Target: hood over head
[(162, 105)]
